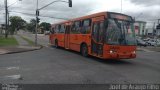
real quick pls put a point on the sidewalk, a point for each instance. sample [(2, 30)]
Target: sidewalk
[(24, 46), (3, 51), (21, 41)]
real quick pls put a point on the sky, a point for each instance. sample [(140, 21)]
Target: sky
[(146, 10)]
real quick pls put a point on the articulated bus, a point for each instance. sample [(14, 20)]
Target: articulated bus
[(106, 35)]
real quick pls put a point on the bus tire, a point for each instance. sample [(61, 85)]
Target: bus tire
[(56, 44), (84, 50)]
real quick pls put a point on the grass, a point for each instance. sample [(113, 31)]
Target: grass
[(28, 40), (10, 41)]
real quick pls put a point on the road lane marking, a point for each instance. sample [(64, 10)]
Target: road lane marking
[(148, 51), (6, 71), (11, 68), (18, 76)]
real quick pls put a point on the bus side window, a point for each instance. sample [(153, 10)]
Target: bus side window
[(86, 27), (76, 27), (52, 30), (62, 28), (95, 31), (101, 31), (59, 28), (56, 29)]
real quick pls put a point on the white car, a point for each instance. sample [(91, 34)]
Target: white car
[(152, 42)]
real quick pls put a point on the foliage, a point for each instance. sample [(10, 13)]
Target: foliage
[(45, 26), (31, 25), (16, 23)]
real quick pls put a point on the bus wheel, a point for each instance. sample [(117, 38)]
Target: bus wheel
[(84, 50), (56, 44)]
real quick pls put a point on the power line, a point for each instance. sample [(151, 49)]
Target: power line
[(40, 15), (23, 13), (52, 3), (152, 19), (139, 15), (121, 5), (55, 17), (2, 9), (13, 3)]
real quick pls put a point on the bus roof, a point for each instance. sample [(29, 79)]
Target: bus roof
[(93, 15), (83, 17)]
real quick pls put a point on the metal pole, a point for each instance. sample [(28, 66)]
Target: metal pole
[(6, 26), (154, 28), (36, 26), (121, 6), (8, 21)]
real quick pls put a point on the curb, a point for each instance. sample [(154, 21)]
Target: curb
[(21, 51)]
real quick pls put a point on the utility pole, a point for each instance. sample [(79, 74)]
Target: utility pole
[(158, 28), (6, 19), (36, 29), (37, 14), (8, 14), (154, 31), (121, 5)]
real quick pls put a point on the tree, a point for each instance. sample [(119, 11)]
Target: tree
[(31, 25), (33, 21), (16, 23), (45, 26)]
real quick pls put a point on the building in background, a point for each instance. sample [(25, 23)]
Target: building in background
[(150, 31), (140, 28)]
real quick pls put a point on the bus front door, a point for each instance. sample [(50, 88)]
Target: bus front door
[(66, 38), (97, 38)]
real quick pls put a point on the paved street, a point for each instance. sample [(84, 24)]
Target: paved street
[(33, 32), (50, 65)]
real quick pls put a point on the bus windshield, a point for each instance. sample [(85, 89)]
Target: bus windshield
[(120, 32)]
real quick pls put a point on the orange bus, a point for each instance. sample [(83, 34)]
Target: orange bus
[(105, 35)]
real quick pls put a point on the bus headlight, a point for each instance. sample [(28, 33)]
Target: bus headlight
[(134, 52), (111, 51)]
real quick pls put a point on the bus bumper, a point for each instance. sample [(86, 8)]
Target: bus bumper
[(120, 56)]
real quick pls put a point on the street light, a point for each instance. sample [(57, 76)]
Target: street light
[(13, 3), (139, 15), (6, 12), (10, 6), (37, 14), (70, 3), (121, 5)]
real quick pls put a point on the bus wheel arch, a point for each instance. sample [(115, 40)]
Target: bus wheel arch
[(84, 49)]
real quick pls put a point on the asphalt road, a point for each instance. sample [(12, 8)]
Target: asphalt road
[(59, 66)]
